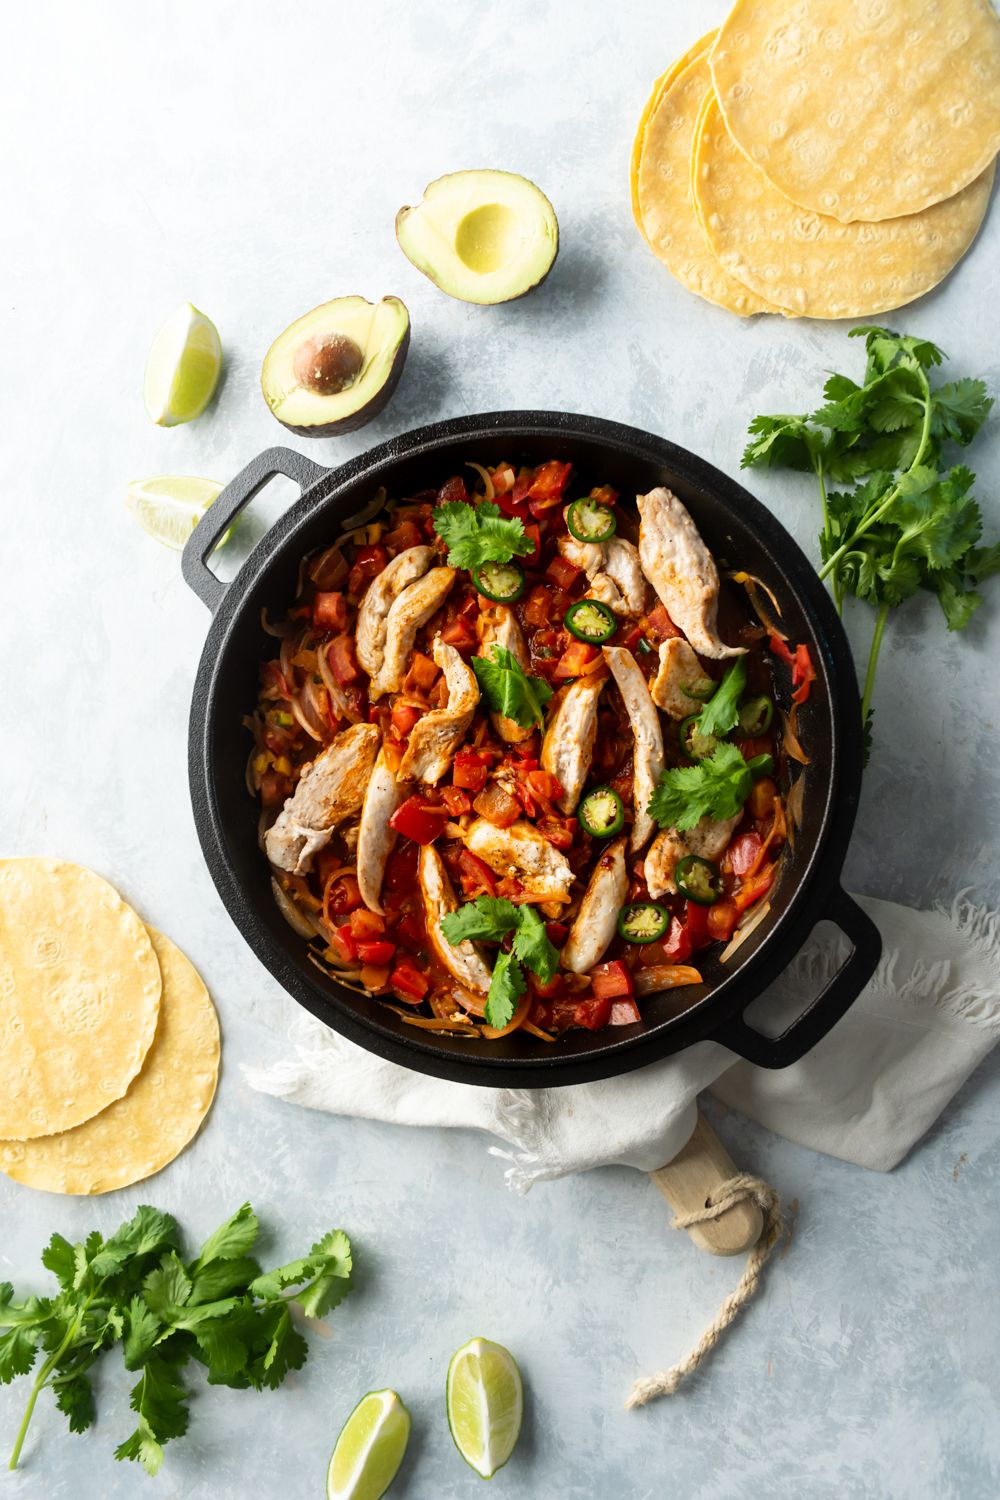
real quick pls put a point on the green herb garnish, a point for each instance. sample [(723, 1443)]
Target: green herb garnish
[(135, 1289), (489, 919), (509, 690), (477, 534), (715, 788), (721, 713), (909, 522)]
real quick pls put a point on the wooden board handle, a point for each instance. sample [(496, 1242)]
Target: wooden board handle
[(686, 1182)]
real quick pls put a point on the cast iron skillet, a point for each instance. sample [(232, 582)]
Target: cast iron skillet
[(740, 531)]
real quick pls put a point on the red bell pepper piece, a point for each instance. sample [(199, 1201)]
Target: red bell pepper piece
[(470, 770), (562, 572), (549, 480), (460, 633), (611, 980), (330, 611), (696, 925), (677, 945), (575, 660), (476, 876), (660, 626), (803, 674), (343, 896), (367, 565), (343, 661), (376, 952), (455, 800), (722, 919), (594, 1013), (408, 982), (781, 650), (366, 924), (404, 716), (344, 945), (744, 852), (757, 886), (413, 821)]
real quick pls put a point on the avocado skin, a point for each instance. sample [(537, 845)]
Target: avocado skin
[(364, 414)]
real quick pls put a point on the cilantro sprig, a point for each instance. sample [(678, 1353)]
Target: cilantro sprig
[(509, 690), (716, 788), (905, 520), (477, 534), (722, 711), (135, 1289), (489, 919)]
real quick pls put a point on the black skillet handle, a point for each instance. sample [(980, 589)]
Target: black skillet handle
[(830, 1004), (223, 512)]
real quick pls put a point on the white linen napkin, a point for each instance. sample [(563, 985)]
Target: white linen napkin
[(866, 1093)]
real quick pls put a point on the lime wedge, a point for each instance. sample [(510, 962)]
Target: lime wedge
[(485, 1401), (170, 506), (183, 367), (369, 1449)]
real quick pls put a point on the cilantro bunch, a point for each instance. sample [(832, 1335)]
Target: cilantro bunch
[(489, 919), (509, 690), (135, 1289), (903, 520)]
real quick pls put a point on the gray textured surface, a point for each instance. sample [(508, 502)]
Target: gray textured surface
[(251, 158)]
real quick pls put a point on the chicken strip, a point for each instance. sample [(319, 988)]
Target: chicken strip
[(568, 747), (378, 600), (330, 791), (411, 609), (435, 738), (681, 570), (645, 722), (678, 665), (613, 571), (498, 626), (524, 853), (597, 920), (463, 961), (375, 838), (708, 839)]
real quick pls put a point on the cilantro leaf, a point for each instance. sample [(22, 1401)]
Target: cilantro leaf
[(532, 945), (235, 1238), (715, 788), (506, 988), (168, 1287), (286, 1350), (488, 919), (75, 1399), (221, 1278), (59, 1258), (477, 534), (333, 1281), (722, 713), (225, 1353), (983, 562), (17, 1353), (159, 1399), (960, 409), (142, 1329), (509, 690)]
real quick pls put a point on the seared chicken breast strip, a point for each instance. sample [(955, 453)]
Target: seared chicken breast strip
[(597, 919), (464, 961), (613, 571), (378, 600), (707, 839), (645, 722), (568, 747), (330, 791), (375, 838), (527, 855), (435, 738), (498, 626), (682, 570), (678, 665), (411, 609)]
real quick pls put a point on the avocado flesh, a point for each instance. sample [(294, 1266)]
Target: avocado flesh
[(381, 330), (481, 236)]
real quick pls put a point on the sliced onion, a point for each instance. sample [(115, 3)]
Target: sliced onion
[(543, 1036), (793, 809), (300, 712), (751, 584), (339, 704), (433, 1023), (366, 513), (664, 977), (278, 631), (250, 775), (789, 736), (484, 476), (753, 920), (296, 919), (327, 569)]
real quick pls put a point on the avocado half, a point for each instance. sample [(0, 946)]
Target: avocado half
[(334, 369), (481, 236)]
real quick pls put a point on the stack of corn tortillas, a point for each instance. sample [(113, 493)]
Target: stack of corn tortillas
[(822, 158), (109, 1042)]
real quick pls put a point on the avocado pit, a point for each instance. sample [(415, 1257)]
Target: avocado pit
[(328, 365)]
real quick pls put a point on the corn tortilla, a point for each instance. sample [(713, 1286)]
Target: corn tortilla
[(809, 263), (666, 202), (656, 93), (79, 996), (160, 1114), (862, 109)]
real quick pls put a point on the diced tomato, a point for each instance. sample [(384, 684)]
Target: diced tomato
[(677, 945), (744, 852), (275, 789), (453, 489), (460, 633), (722, 919), (401, 870), (470, 770), (754, 888), (455, 800), (343, 661), (422, 672), (413, 821), (604, 494), (544, 785), (593, 1014), (366, 924), (344, 945), (367, 565), (533, 532), (380, 952), (343, 896), (476, 876), (696, 925), (803, 674), (624, 1013), (330, 611), (404, 716), (562, 572), (406, 534), (660, 626), (547, 989), (497, 806), (611, 980), (549, 480), (514, 505), (408, 982), (558, 831), (539, 606), (577, 659), (557, 933)]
